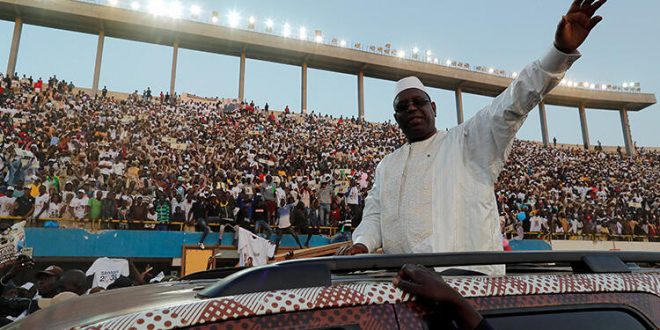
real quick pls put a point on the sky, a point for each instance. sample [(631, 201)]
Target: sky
[(505, 34)]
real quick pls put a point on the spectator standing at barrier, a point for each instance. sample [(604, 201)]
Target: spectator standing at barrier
[(163, 211), (198, 215), (269, 193), (420, 200), (325, 199), (95, 210), (25, 204), (353, 201), (284, 222), (7, 203), (260, 217)]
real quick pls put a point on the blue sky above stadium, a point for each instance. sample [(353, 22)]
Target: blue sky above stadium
[(505, 34)]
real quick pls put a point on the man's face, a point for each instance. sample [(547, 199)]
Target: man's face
[(46, 285), (415, 114)]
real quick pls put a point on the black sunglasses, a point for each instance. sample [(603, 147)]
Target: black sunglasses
[(419, 102)]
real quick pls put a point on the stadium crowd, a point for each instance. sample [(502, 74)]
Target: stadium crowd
[(155, 161)]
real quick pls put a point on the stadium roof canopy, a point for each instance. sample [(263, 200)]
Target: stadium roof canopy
[(140, 26)]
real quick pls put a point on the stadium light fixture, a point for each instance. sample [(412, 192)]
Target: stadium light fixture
[(603, 87), (175, 9), (342, 43), (269, 25), (491, 70), (401, 53), (286, 30), (448, 62), (428, 53), (113, 2), (195, 10), (318, 36), (625, 85), (435, 60), (514, 75), (233, 18), (135, 5), (215, 17), (252, 22), (156, 7), (302, 33), (415, 50)]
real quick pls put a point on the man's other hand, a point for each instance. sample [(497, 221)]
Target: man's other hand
[(575, 26), (349, 250), (425, 284)]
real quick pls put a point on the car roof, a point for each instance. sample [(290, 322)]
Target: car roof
[(202, 311), (102, 305), (342, 281)]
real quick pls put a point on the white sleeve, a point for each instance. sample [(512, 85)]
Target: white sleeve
[(489, 134), (92, 270), (124, 271), (368, 232)]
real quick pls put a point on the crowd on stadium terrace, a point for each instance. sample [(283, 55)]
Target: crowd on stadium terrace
[(575, 191), (164, 159)]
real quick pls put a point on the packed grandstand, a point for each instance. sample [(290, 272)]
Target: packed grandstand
[(70, 159)]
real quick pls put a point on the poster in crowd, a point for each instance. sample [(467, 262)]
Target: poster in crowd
[(12, 240)]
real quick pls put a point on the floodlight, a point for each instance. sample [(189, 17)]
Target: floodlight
[(302, 33), (625, 85), (401, 53), (342, 43), (269, 23), (175, 9), (286, 30), (435, 60), (415, 50), (156, 7), (603, 87), (251, 22), (491, 70), (448, 62), (428, 53), (135, 5), (514, 75), (233, 18), (195, 10), (318, 36), (592, 86)]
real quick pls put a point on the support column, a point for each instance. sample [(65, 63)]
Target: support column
[(175, 54), (97, 66), (627, 135), (585, 129), (360, 87), (303, 89), (13, 52), (544, 124), (459, 106), (241, 78)]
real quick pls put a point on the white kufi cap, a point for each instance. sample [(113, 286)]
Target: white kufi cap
[(408, 83)]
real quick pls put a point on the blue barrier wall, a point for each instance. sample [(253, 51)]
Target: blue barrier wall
[(127, 243), (530, 245), (155, 244)]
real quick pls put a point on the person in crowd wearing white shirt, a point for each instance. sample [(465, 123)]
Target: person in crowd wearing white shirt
[(435, 193), (80, 206), (284, 222), (41, 203), (7, 203)]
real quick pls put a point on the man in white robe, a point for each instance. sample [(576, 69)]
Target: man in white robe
[(435, 193)]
